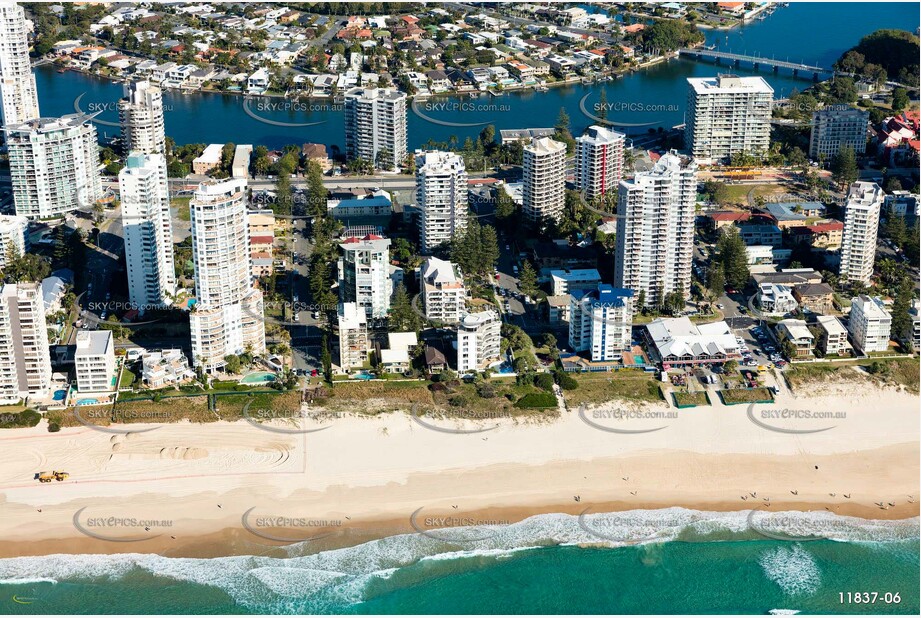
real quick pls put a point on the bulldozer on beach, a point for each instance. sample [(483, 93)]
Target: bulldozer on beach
[(57, 475)]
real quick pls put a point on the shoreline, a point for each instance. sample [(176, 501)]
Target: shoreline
[(366, 478)]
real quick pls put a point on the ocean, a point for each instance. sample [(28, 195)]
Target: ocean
[(638, 562)]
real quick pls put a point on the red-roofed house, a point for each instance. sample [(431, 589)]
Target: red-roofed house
[(733, 8), (634, 28), (726, 218), (823, 235)]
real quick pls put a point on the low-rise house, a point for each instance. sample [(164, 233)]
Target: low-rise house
[(761, 234), (434, 359), (397, 357), (797, 333), (815, 297), (776, 299), (823, 235)]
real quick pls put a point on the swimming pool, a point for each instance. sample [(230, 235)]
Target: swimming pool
[(363, 375), (59, 395), (258, 377), (87, 402)]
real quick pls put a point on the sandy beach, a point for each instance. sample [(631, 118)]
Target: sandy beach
[(235, 488)]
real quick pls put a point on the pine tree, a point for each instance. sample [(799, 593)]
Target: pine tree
[(326, 360), (527, 279)]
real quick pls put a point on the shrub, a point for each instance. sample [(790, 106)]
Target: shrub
[(537, 400), (458, 401), (544, 381), (26, 418), (566, 381), (485, 390), (54, 427)]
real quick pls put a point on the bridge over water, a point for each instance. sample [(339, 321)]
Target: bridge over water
[(758, 63)]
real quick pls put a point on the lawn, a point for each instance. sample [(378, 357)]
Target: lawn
[(127, 379), (738, 194), (746, 395), (628, 384), (181, 204), (230, 407), (696, 398)]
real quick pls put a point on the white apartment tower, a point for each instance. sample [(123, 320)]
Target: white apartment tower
[(18, 96), (25, 360), (599, 161), (655, 230), (544, 180), (13, 238), (353, 336), (94, 361), (148, 230), (478, 341), (835, 127), (727, 114), (441, 194), (228, 315), (375, 121), (140, 113), (861, 223), (869, 324), (54, 165), (444, 296), (600, 322), (364, 274)]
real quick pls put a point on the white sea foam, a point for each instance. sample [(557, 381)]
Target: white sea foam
[(792, 568), (317, 582), (14, 581)]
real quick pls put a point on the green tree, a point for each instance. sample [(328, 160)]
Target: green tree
[(326, 360), (527, 279), (732, 256), (844, 167), (900, 99), (402, 316)]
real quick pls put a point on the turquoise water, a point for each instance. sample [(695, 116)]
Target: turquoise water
[(259, 377), (706, 563), (816, 33), (60, 395)]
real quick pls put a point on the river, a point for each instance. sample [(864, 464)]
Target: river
[(812, 33)]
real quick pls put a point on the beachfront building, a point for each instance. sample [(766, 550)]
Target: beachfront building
[(353, 336), (869, 324), (227, 317), (679, 342), (165, 368), (148, 231), (655, 230), (544, 180), (54, 165), (441, 196), (364, 274), (861, 224), (18, 95), (140, 114), (444, 296), (25, 360), (375, 126), (835, 127), (478, 341), (727, 114), (14, 241), (832, 336), (397, 356), (797, 333), (600, 322), (241, 158), (599, 161), (94, 361)]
